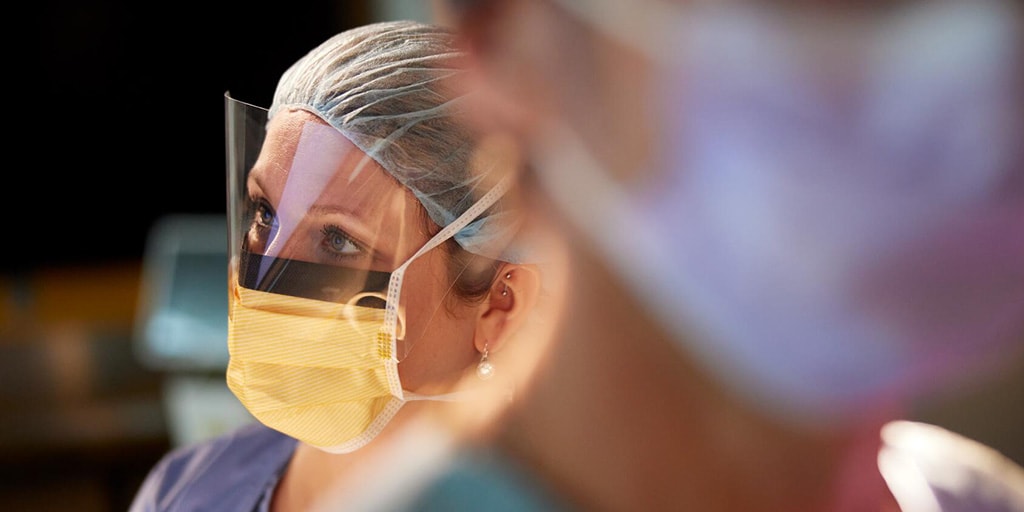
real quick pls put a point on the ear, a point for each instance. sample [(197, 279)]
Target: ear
[(512, 297), (508, 47)]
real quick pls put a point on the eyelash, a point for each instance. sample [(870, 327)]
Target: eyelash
[(261, 205), (330, 230)]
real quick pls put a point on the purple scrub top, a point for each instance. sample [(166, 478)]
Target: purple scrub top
[(236, 472)]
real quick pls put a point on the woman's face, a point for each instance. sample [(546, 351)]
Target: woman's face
[(315, 197)]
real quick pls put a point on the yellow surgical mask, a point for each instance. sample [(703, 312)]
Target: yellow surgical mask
[(318, 371)]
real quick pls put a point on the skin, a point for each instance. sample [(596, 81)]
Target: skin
[(620, 418), (376, 224)]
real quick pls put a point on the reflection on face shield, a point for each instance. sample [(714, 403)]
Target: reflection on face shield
[(313, 281), (317, 219)]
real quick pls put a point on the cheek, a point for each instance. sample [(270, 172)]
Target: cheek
[(420, 295), (438, 343), (434, 319)]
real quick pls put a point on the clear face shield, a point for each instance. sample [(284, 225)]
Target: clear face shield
[(312, 217), (310, 214)]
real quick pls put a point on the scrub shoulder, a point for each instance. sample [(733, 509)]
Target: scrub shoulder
[(228, 473)]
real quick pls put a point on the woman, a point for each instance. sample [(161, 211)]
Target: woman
[(376, 270)]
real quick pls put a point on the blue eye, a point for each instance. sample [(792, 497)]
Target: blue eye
[(262, 223), (261, 214), (264, 215), (338, 243)]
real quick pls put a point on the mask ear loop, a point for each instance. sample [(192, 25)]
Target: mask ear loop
[(350, 314), (391, 310)]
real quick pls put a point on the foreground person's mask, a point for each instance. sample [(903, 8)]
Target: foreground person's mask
[(315, 320), (821, 250)]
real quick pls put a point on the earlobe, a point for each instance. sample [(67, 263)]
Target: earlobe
[(512, 296)]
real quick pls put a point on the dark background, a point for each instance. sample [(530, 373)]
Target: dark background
[(124, 103), (116, 119)]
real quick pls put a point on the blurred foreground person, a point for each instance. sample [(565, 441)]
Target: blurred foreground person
[(377, 272), (787, 222)]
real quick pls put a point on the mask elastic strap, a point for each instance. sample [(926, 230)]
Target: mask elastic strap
[(387, 333)]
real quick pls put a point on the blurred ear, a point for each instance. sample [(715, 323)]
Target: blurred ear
[(531, 63), (512, 47), (512, 297)]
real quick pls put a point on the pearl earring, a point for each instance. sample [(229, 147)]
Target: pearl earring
[(484, 370)]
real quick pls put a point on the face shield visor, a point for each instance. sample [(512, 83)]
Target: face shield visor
[(311, 215)]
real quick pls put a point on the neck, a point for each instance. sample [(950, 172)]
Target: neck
[(314, 476), (620, 420)]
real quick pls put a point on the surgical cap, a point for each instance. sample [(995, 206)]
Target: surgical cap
[(392, 89)]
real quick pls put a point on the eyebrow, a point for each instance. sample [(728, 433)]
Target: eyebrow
[(355, 225)]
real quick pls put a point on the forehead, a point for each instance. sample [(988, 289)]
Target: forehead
[(305, 160)]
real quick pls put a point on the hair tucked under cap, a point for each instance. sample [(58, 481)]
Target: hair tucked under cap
[(389, 88)]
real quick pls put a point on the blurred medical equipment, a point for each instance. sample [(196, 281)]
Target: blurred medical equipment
[(181, 324)]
